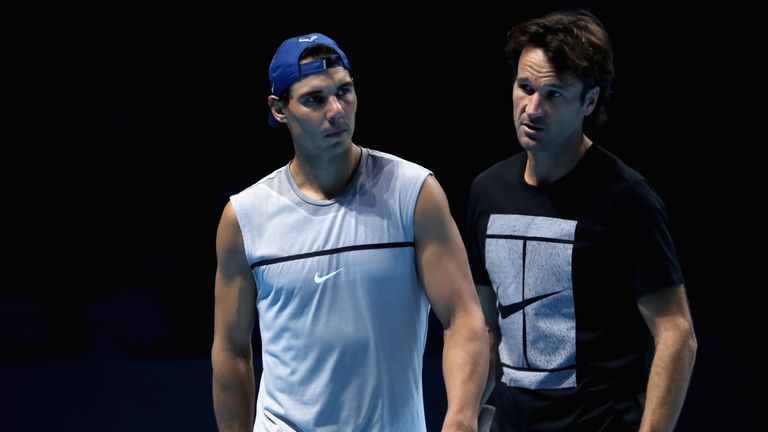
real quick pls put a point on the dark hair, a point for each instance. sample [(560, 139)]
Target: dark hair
[(576, 44), (312, 52)]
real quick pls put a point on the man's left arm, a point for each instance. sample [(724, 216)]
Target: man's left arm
[(667, 315), (444, 270)]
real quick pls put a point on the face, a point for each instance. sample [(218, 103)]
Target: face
[(548, 110), (321, 109)]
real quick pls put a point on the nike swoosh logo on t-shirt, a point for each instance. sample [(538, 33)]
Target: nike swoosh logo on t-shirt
[(507, 310), (320, 279)]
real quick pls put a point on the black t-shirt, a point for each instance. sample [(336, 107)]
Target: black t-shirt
[(568, 262)]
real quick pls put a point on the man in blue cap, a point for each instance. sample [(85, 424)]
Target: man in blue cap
[(341, 252)]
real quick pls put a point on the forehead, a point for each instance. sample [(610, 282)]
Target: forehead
[(535, 66), (321, 81)]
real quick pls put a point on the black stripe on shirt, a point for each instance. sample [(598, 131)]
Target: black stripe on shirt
[(331, 252)]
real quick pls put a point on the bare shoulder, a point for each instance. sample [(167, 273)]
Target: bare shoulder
[(432, 201), (228, 223), (433, 222), (229, 238)]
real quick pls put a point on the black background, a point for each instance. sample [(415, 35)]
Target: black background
[(134, 125)]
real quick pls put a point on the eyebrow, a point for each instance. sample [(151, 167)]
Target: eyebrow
[(556, 86), (320, 92)]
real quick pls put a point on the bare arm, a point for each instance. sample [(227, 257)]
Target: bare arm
[(234, 316), (669, 319), (488, 302), (444, 270)]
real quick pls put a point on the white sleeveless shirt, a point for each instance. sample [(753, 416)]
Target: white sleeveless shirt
[(342, 312)]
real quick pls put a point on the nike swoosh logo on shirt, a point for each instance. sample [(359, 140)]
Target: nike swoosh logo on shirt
[(320, 279), (507, 310)]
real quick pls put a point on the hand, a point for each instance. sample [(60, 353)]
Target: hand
[(458, 425), (485, 420)]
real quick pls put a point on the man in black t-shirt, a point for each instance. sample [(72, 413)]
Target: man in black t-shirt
[(572, 255)]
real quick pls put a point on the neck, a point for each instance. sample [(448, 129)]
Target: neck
[(545, 167), (325, 177)]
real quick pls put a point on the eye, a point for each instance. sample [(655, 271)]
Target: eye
[(527, 89), (313, 100), (554, 94), (344, 91)]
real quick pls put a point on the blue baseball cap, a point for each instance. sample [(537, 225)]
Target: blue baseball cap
[(286, 70)]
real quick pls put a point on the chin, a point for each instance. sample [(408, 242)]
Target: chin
[(528, 143)]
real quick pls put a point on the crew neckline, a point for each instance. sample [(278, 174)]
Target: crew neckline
[(350, 186)]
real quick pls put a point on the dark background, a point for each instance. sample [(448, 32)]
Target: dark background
[(134, 125)]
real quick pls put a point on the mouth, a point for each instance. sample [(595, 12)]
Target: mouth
[(530, 127), (336, 133)]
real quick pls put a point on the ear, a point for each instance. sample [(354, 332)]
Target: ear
[(590, 100), (277, 108)]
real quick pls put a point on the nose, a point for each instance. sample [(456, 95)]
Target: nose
[(534, 109), (334, 110)]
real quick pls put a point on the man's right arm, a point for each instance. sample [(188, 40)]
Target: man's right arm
[(234, 316)]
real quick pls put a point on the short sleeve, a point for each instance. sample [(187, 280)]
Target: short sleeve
[(645, 223)]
